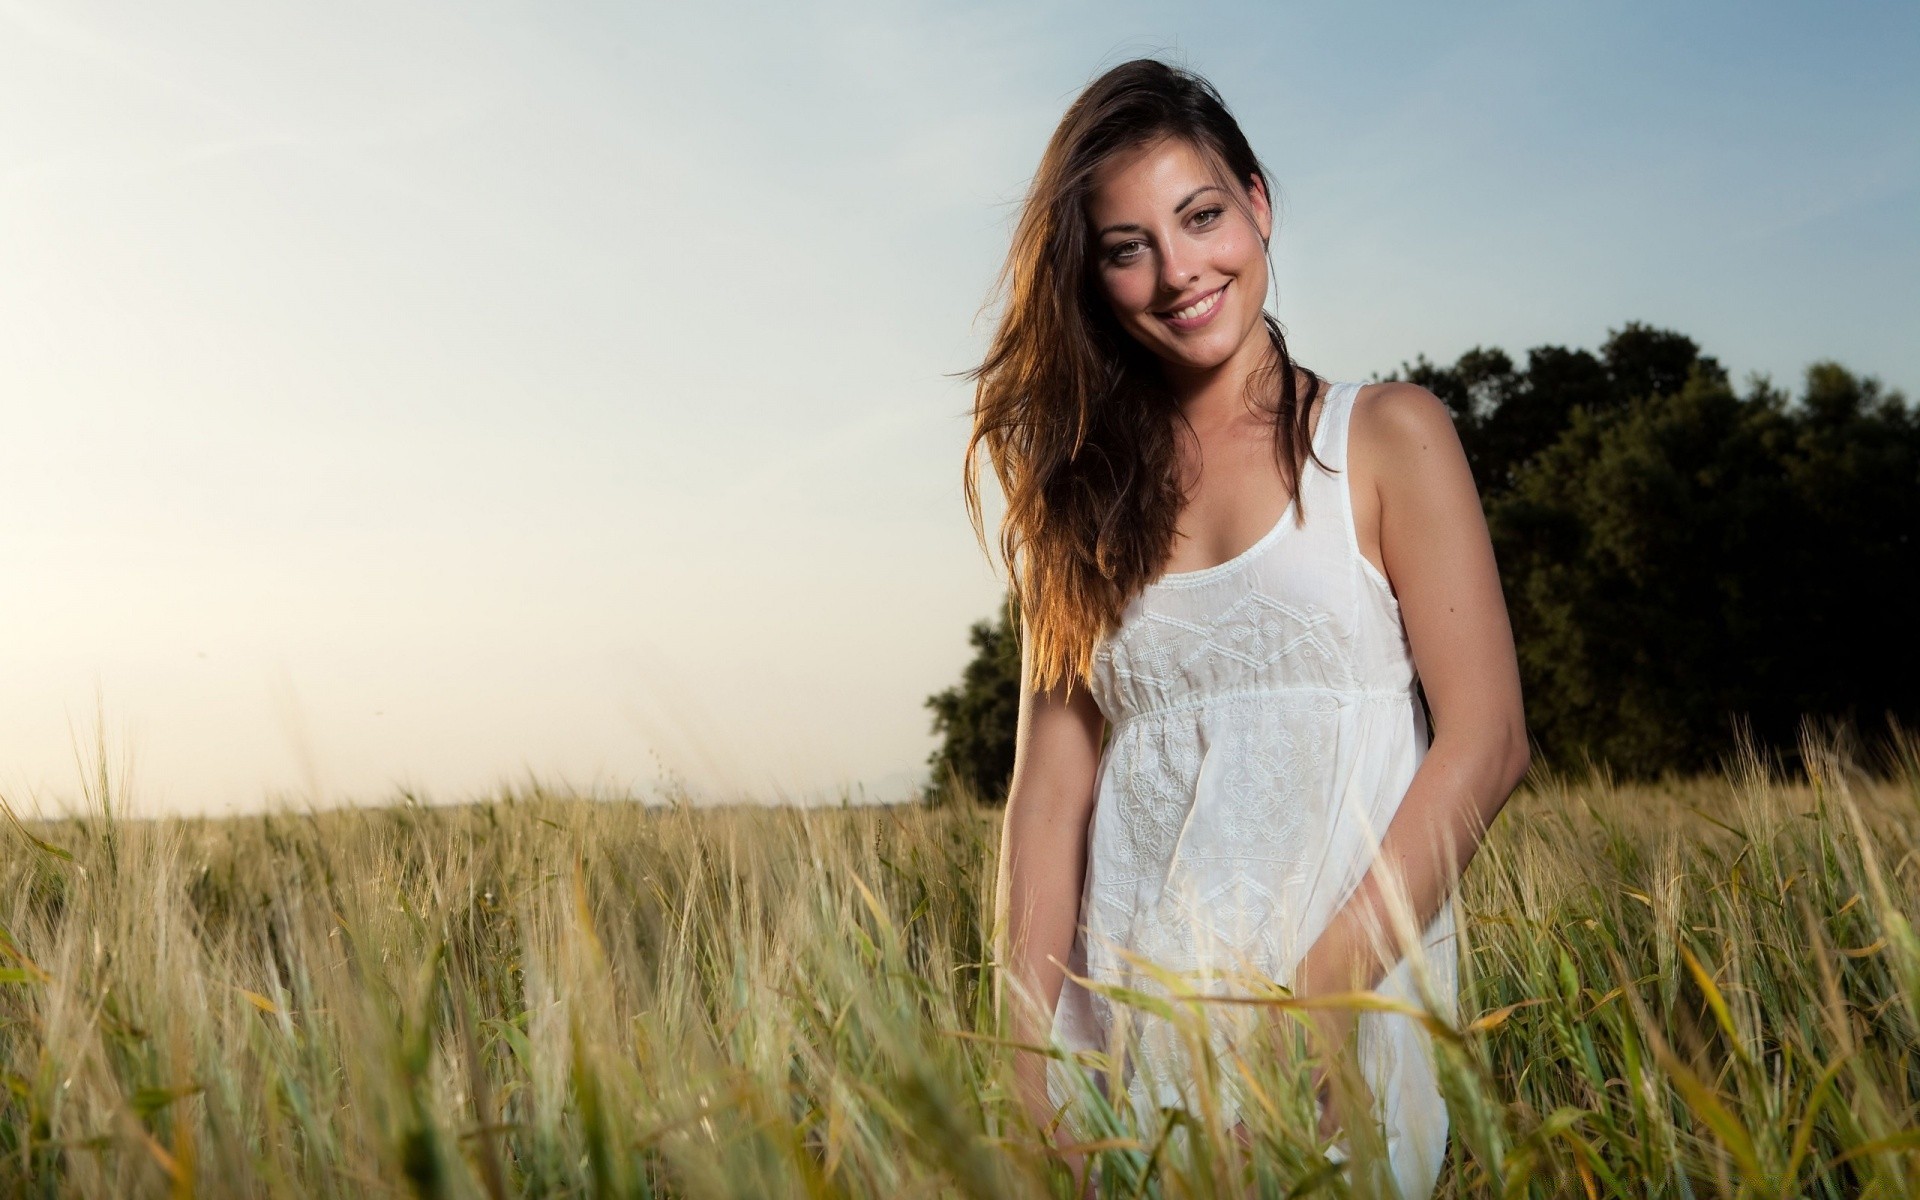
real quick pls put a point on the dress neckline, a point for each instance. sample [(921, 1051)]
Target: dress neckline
[(1207, 574)]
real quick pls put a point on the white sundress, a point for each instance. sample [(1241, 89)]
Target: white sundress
[(1264, 729)]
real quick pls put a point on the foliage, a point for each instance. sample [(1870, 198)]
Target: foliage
[(1685, 564), (977, 718), (1700, 990), (1505, 415)]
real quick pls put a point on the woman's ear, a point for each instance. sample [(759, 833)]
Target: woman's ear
[(1262, 210)]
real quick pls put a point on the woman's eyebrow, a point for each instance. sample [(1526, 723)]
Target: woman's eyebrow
[(1207, 187), (1177, 210)]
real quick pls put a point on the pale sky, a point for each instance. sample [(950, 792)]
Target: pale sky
[(435, 396)]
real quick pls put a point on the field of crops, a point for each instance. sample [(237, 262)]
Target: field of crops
[(1703, 988)]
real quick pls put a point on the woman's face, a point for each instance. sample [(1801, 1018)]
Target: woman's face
[(1180, 261)]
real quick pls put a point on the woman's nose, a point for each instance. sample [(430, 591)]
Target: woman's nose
[(1178, 268)]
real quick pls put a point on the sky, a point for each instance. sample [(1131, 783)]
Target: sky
[(422, 399)]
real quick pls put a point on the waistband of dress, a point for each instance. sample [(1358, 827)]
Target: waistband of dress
[(1339, 698)]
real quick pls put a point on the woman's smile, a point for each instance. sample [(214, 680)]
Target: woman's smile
[(1198, 314)]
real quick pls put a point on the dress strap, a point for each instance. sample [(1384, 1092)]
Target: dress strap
[(1326, 488), (1335, 491), (1335, 416)]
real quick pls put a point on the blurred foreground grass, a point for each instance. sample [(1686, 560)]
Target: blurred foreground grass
[(1709, 988)]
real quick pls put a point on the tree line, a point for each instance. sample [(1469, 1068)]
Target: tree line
[(1686, 563)]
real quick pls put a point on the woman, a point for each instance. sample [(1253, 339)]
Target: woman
[(1222, 759)]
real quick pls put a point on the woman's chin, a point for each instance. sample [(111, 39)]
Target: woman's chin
[(1204, 353), (1198, 358)]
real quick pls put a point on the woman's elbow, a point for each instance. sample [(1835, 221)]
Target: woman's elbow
[(1499, 755)]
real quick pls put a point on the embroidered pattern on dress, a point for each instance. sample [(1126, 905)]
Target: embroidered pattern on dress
[(1140, 666), (1133, 655), (1155, 777), (1257, 630), (1213, 941), (1266, 790)]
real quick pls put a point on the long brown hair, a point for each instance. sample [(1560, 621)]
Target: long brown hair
[(1076, 415)]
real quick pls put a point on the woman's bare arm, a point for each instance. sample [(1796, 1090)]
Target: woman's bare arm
[(1432, 540), (1043, 863)]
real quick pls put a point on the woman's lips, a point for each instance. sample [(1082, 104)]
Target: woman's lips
[(1212, 300)]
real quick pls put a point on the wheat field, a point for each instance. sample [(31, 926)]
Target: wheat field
[(1700, 988)]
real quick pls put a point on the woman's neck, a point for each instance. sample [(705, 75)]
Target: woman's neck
[(1219, 396)]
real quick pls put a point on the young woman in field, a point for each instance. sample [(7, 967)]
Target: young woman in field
[(1230, 573)]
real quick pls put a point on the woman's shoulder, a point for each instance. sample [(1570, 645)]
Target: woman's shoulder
[(1396, 409), (1395, 423)]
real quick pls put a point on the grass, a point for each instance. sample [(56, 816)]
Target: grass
[(1702, 988)]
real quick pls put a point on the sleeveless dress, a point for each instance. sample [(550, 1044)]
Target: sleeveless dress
[(1264, 727)]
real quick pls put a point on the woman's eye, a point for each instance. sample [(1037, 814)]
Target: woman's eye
[(1212, 213), (1123, 252)]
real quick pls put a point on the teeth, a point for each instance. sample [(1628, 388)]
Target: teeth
[(1194, 310)]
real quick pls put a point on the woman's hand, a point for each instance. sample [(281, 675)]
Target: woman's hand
[(1326, 1128), (1336, 1032), (1334, 1035), (1323, 1100), (1077, 1166)]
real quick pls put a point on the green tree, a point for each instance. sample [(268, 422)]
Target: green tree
[(977, 717), (1697, 559), (1507, 415)]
